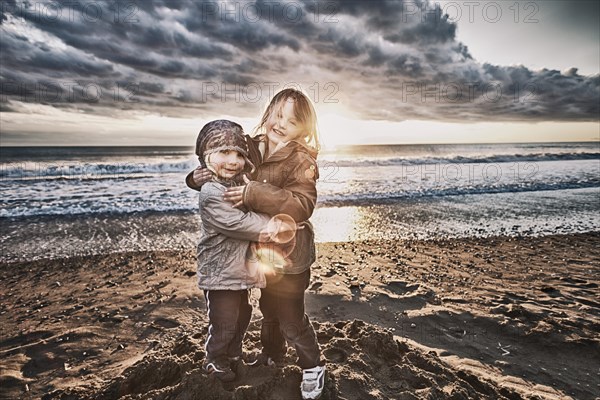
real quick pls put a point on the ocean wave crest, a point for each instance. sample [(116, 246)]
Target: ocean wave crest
[(154, 201), (90, 171), (457, 159), (368, 198), (133, 170)]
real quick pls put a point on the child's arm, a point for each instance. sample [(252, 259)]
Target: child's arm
[(237, 224), (297, 198), (231, 221)]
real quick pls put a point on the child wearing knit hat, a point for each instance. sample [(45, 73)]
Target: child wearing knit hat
[(220, 138), (227, 262)]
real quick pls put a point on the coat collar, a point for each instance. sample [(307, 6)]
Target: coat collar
[(283, 151)]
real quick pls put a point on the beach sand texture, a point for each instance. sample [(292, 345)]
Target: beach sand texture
[(488, 318)]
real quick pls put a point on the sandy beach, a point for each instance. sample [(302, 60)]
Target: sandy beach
[(446, 154), (487, 318)]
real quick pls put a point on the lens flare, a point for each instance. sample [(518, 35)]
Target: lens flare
[(271, 255), (283, 228)]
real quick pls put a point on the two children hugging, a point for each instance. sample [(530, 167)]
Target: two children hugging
[(237, 214)]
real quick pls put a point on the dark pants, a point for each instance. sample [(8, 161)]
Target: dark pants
[(229, 314), (282, 307)]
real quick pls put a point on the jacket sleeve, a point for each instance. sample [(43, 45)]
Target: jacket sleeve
[(189, 180), (230, 221), (297, 197)]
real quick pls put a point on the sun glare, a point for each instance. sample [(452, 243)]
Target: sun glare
[(337, 126)]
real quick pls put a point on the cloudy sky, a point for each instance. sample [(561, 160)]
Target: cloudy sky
[(413, 71)]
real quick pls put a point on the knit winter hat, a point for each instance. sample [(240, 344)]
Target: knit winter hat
[(220, 135)]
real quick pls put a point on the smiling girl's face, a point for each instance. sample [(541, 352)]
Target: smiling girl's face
[(227, 163), (284, 125)]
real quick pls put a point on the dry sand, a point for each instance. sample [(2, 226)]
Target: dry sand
[(499, 318)]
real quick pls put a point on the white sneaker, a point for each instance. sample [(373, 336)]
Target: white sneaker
[(313, 381)]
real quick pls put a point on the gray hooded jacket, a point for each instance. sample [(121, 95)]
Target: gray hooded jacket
[(227, 259)]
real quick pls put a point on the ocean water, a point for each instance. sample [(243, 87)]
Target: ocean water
[(68, 181), (399, 191)]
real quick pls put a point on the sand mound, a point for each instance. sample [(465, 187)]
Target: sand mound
[(364, 362)]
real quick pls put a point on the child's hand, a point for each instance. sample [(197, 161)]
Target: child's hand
[(235, 195), (201, 176)]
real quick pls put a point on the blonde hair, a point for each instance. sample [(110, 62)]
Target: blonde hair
[(304, 111)]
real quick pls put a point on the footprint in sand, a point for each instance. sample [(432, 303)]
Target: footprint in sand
[(166, 323)]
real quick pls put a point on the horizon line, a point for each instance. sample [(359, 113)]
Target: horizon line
[(593, 140)]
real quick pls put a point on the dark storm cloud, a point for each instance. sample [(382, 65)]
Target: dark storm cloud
[(376, 56), (405, 65), (235, 25), (379, 15), (170, 55), (7, 7), (431, 32), (150, 88), (67, 64), (338, 44), (555, 95), (400, 20), (110, 35)]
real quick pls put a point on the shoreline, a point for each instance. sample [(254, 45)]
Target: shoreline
[(518, 315), (535, 214)]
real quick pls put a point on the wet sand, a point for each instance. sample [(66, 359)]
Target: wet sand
[(488, 318)]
